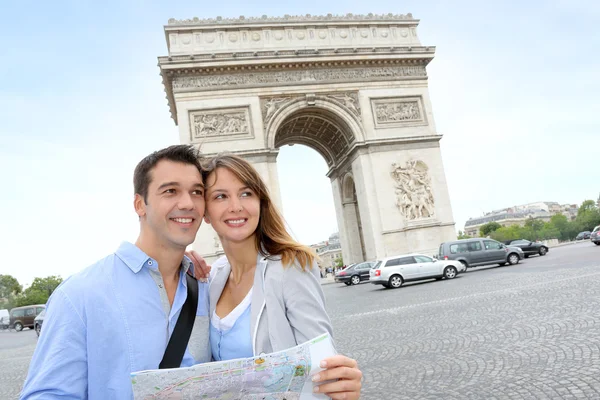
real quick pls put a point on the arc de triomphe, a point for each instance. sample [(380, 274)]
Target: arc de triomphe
[(352, 87)]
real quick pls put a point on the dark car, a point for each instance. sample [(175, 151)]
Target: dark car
[(528, 247), (38, 321), (355, 274), (583, 235), (595, 236)]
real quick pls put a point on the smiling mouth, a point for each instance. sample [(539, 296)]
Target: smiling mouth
[(236, 222), (184, 221)]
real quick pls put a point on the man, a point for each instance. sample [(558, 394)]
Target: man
[(116, 316)]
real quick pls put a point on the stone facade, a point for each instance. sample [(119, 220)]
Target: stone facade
[(354, 88)]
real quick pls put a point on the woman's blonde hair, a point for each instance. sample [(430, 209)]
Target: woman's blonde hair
[(271, 235)]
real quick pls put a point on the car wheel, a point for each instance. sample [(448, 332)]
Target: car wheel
[(513, 259), (348, 283), (543, 251), (395, 281), (597, 243), (18, 327), (465, 264), (355, 280), (38, 328), (450, 273)]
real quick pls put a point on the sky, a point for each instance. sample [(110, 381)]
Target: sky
[(514, 87)]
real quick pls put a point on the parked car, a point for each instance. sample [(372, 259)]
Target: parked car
[(529, 248), (4, 319), (38, 321), (354, 274), (476, 252), (392, 272), (22, 317), (595, 236), (583, 235)]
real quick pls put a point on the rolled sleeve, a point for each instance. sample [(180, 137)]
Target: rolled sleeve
[(305, 303), (58, 368)]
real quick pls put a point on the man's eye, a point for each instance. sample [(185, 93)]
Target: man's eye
[(198, 192), (170, 191)]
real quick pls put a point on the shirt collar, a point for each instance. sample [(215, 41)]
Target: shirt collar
[(135, 259)]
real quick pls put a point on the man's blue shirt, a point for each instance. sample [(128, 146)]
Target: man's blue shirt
[(109, 320)]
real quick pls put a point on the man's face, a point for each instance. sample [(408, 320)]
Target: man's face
[(174, 206)]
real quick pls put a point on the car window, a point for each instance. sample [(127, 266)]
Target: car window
[(41, 314), (407, 260), (474, 246), (393, 262), (423, 259), (491, 245), (18, 313), (459, 248), (519, 242), (29, 312), (39, 310), (377, 264)]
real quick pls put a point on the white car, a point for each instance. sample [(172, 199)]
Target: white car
[(392, 272)]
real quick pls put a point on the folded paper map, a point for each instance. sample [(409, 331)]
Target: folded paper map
[(285, 375)]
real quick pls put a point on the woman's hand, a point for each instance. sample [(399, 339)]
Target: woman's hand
[(201, 269), (345, 374)]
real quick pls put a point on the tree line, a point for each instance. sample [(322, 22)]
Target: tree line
[(12, 293), (559, 227)]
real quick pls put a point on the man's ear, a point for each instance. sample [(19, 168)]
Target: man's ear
[(139, 205)]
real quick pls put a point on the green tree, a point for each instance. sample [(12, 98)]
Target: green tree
[(9, 286), (39, 291), (586, 207), (561, 223), (488, 228), (462, 235), (46, 285), (338, 263)]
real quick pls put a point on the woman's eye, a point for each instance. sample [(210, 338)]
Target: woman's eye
[(246, 194), (219, 197)]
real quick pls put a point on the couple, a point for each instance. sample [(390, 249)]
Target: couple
[(117, 316)]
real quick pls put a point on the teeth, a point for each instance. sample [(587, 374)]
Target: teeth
[(183, 220), (235, 221)]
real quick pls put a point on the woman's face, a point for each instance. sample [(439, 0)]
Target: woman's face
[(232, 208)]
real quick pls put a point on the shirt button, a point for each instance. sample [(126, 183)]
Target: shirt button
[(150, 262), (160, 285)]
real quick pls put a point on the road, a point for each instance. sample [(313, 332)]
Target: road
[(530, 331)]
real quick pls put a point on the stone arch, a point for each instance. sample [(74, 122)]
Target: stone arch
[(320, 112), (348, 189)]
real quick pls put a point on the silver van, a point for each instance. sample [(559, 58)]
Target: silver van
[(476, 252)]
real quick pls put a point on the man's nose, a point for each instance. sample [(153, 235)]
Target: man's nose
[(186, 202)]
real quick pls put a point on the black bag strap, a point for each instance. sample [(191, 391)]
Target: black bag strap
[(183, 328)]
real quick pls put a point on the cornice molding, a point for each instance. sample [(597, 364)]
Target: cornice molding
[(308, 18)]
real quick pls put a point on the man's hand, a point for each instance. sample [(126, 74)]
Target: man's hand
[(201, 269), (345, 374)]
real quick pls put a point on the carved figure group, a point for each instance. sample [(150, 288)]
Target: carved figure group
[(401, 111), (219, 124), (273, 105), (349, 101), (414, 197)]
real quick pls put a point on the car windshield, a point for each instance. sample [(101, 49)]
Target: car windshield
[(377, 264)]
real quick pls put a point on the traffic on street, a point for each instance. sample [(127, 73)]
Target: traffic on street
[(525, 331)]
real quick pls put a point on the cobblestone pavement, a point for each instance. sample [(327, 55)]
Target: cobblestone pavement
[(530, 331)]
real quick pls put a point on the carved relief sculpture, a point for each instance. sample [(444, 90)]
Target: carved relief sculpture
[(270, 106), (348, 100), (398, 111), (414, 197), (219, 123)]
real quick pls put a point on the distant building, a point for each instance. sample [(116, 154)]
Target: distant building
[(518, 215), (328, 251)]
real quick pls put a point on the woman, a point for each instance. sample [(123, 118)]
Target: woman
[(265, 294)]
